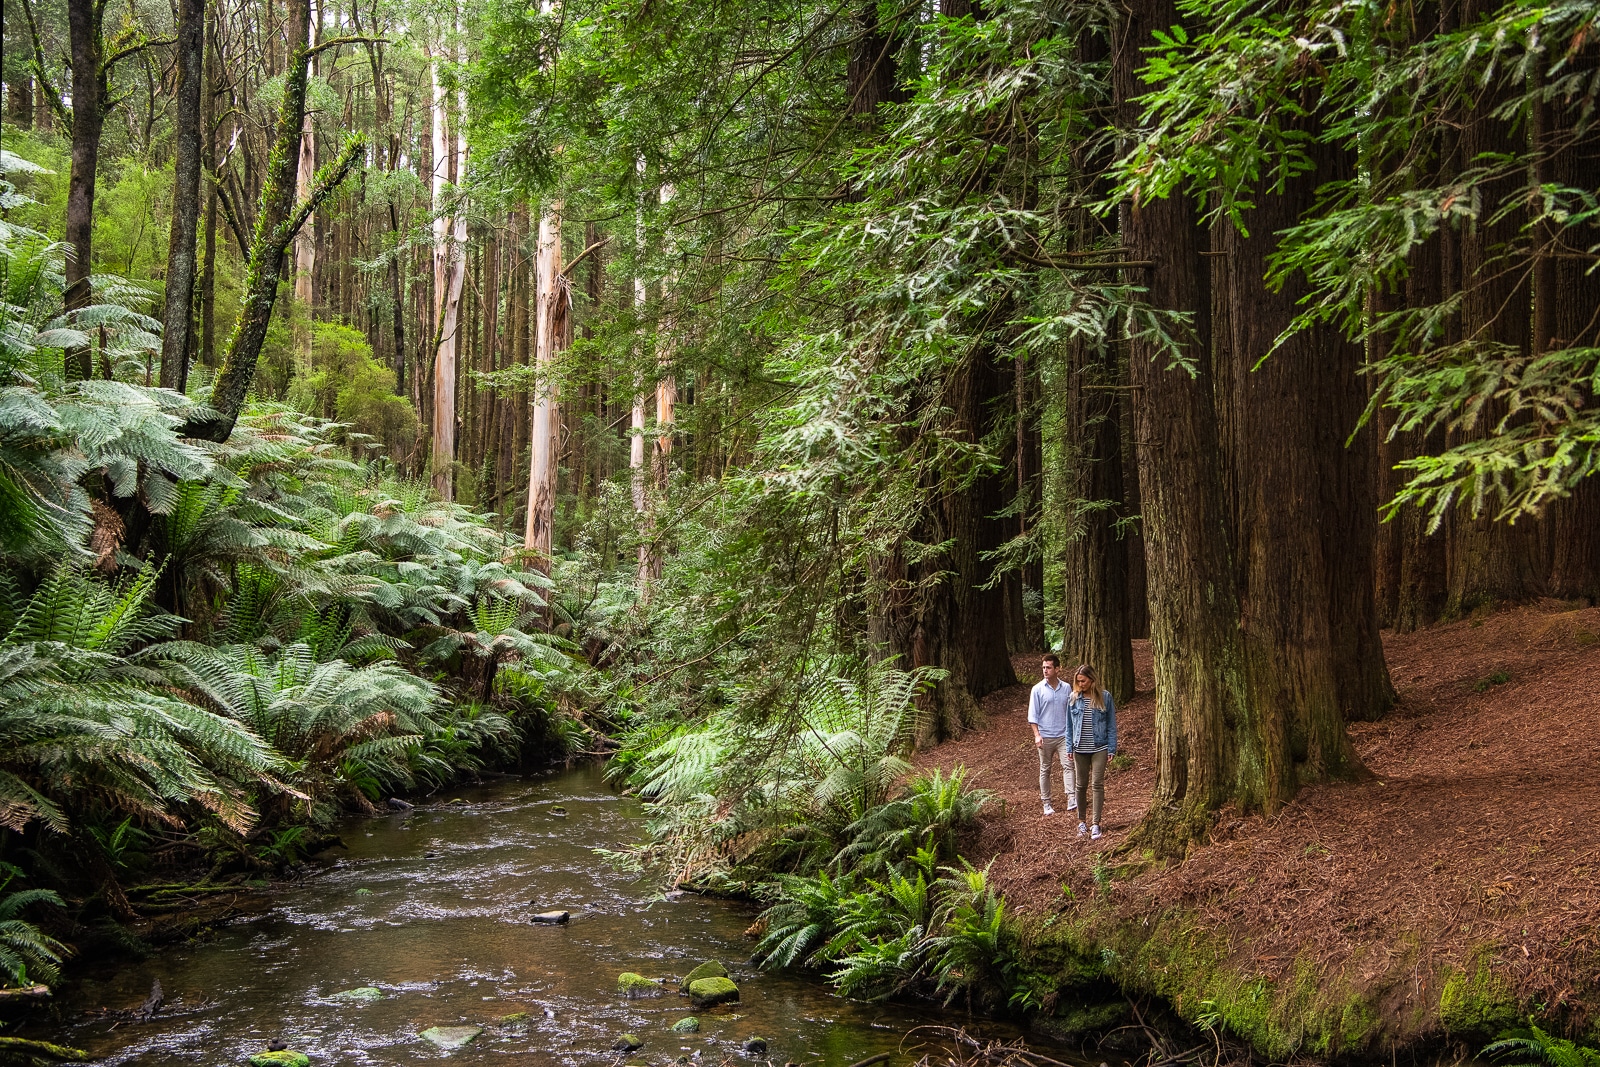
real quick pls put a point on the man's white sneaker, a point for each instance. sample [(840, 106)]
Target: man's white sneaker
[(1048, 810), (1082, 829), (1094, 833)]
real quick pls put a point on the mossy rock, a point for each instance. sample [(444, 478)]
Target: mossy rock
[(280, 1058), (637, 985), (364, 992), (626, 1043), (708, 969), (451, 1037), (514, 1017), (1076, 1020), (689, 1025), (709, 991)]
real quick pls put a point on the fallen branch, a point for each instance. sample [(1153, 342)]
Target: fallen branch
[(25, 992), (23, 1047)]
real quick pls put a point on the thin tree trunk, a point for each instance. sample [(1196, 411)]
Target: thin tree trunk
[(305, 245), (521, 406), (19, 102), (89, 92), (208, 282), (450, 275), (490, 296), (1095, 596), (636, 422), (188, 138)]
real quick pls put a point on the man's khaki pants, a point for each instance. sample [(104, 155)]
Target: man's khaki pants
[(1055, 750)]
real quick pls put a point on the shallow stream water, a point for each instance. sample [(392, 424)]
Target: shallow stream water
[(433, 909)]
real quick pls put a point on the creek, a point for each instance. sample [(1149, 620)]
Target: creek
[(429, 912)]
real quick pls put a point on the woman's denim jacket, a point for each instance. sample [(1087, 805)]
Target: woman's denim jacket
[(1104, 722)]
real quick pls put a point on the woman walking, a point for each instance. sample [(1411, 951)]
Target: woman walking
[(1092, 733)]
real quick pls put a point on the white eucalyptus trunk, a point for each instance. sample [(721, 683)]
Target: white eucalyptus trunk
[(450, 263), (540, 526)]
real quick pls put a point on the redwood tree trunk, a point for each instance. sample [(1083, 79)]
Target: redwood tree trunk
[(1575, 322), (1208, 748), (1095, 593), (1492, 560), (935, 612), (1284, 418)]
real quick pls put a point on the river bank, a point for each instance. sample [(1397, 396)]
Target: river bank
[(425, 920), (1452, 895)]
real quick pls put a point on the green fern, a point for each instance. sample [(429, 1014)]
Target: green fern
[(1533, 1047), (81, 716), (26, 954)]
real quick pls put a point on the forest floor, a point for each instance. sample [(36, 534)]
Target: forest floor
[(1465, 870)]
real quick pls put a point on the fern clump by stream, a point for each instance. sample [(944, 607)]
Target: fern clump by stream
[(823, 818)]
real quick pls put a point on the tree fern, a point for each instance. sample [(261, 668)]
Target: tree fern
[(80, 719)]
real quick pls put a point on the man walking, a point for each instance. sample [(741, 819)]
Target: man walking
[(1047, 715)]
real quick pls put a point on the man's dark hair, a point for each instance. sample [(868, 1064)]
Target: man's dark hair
[(1055, 660)]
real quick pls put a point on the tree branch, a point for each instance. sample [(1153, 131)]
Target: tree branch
[(325, 184), (135, 49), (334, 42), (567, 270)]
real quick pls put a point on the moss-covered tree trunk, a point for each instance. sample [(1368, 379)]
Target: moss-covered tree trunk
[(278, 219), (90, 93)]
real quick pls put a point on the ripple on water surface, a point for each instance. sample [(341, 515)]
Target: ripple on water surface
[(432, 909)]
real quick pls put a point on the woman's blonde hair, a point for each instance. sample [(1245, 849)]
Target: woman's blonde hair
[(1094, 685)]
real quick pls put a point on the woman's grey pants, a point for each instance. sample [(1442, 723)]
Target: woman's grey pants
[(1091, 774), (1051, 750)]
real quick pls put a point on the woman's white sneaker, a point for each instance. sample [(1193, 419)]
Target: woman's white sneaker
[(1094, 833), (1082, 829), (1048, 810)]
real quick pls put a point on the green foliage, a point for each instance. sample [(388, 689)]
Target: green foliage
[(320, 716), (1239, 107), (883, 937), (1533, 1047), (343, 382), (26, 954), (803, 782)]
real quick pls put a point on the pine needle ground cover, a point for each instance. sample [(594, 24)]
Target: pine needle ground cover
[(1449, 897)]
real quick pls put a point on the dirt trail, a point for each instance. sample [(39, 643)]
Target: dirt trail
[(1477, 839)]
